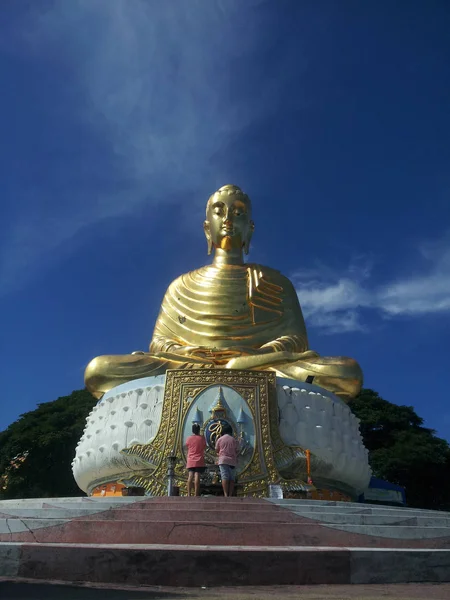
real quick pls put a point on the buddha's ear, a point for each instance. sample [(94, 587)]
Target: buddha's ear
[(246, 245), (207, 231)]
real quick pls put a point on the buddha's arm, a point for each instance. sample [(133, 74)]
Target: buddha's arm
[(285, 343), (264, 361), (285, 349), (161, 345), (282, 350)]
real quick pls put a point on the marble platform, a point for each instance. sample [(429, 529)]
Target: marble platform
[(221, 541)]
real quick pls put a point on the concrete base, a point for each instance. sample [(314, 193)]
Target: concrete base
[(221, 542)]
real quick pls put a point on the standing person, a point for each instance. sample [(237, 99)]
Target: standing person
[(195, 462), (227, 448)]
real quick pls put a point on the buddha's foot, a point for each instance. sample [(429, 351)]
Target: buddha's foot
[(340, 375), (106, 372)]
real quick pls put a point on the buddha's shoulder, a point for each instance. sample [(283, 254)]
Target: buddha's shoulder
[(272, 275), (240, 272)]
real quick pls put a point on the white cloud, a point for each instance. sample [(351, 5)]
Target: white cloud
[(153, 81), (334, 304)]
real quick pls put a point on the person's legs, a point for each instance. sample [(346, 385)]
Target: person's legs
[(190, 482), (225, 486), (231, 482), (197, 483), (225, 475)]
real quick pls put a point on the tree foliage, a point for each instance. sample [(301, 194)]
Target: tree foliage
[(37, 450), (403, 451)]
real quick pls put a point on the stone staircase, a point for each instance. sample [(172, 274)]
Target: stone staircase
[(221, 541)]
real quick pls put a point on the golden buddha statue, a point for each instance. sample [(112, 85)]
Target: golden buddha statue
[(231, 315)]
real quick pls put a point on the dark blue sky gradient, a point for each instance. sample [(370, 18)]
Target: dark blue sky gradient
[(118, 119)]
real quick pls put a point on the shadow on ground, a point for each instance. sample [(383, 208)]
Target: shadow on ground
[(28, 590), (42, 591)]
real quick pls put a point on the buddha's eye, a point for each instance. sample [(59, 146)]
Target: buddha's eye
[(218, 210)]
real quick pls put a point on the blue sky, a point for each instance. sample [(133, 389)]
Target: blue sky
[(119, 118)]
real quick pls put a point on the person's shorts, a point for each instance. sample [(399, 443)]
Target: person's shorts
[(197, 469), (227, 472)]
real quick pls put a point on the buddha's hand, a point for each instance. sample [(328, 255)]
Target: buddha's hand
[(221, 356), (238, 351), (210, 355), (212, 352), (187, 354), (271, 359), (197, 351)]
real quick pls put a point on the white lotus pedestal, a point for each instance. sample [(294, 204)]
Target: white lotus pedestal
[(135, 427)]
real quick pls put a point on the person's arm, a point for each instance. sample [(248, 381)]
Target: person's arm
[(217, 451)]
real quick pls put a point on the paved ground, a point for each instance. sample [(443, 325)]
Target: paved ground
[(10, 590)]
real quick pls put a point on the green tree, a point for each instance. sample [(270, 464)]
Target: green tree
[(403, 451), (46, 439)]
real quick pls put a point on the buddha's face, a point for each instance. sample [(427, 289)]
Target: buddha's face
[(228, 222)]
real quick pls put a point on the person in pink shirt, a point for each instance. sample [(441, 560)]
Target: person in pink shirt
[(195, 462), (227, 448)]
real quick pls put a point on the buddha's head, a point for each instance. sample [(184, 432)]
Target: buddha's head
[(228, 222)]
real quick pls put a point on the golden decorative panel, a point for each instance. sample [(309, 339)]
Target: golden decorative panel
[(257, 388)]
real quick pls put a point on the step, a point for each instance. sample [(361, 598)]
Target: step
[(375, 519), (218, 532), (64, 505), (189, 513), (50, 513), (162, 506), (213, 566), (304, 505), (148, 505), (364, 509), (308, 505), (74, 499), (400, 532), (168, 514), (400, 514), (343, 505), (206, 504)]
